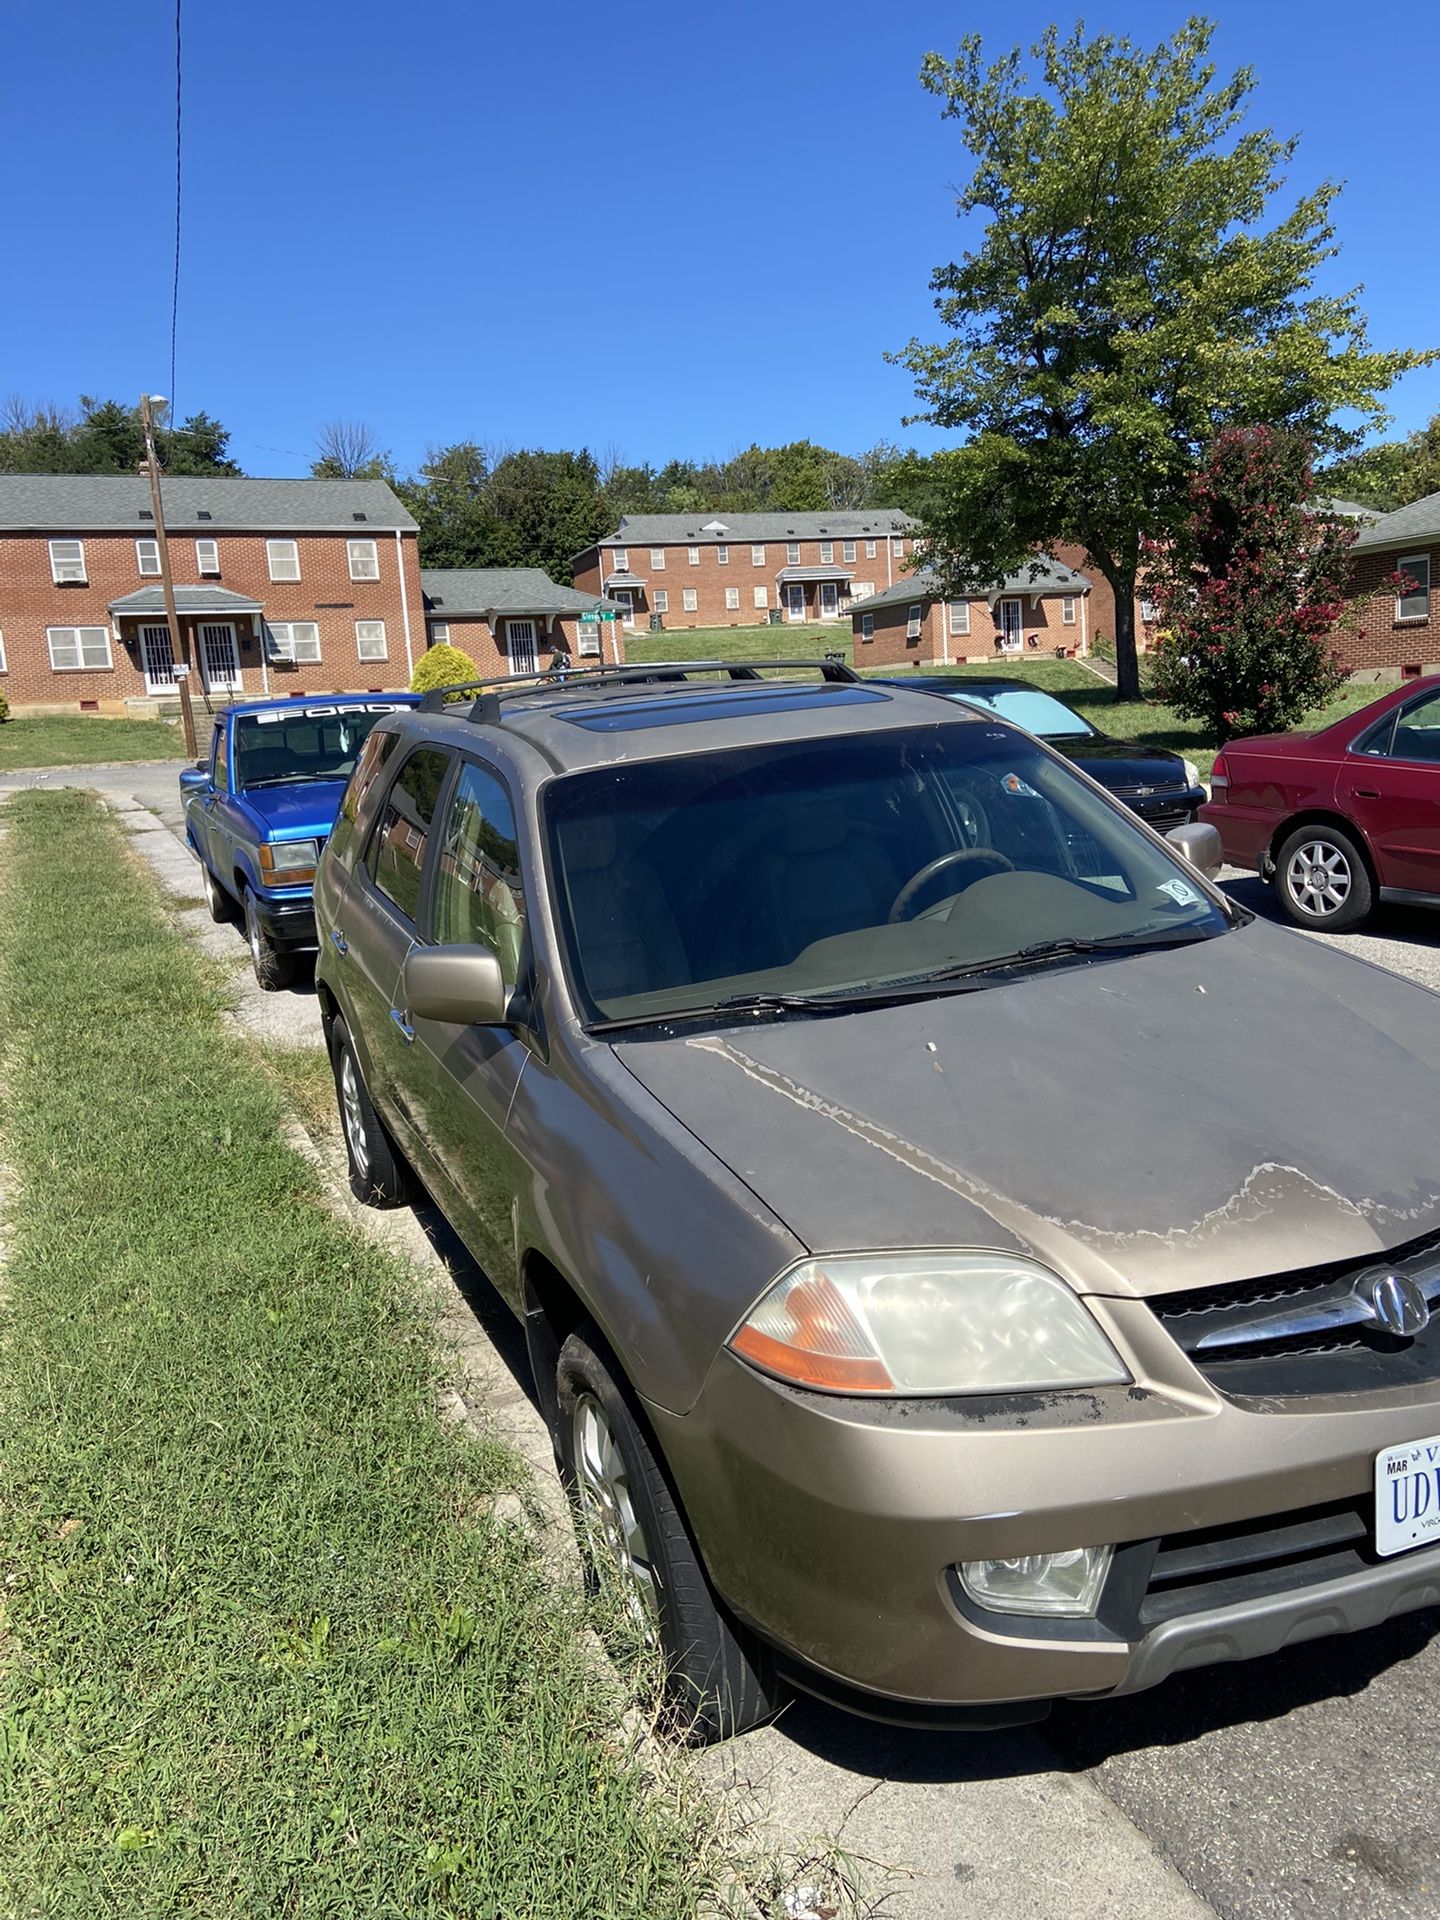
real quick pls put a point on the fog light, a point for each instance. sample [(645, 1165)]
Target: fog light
[(1066, 1584)]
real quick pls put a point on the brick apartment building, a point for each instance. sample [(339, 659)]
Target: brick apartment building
[(282, 586), (1035, 611), (739, 569), (1398, 628), (516, 619)]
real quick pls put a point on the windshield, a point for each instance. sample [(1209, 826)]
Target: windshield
[(1027, 707), (825, 867), (313, 743)]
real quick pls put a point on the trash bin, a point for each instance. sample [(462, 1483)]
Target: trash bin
[(657, 623), (1062, 653), (776, 616)]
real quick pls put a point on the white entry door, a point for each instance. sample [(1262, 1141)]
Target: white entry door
[(829, 600), (521, 637), (220, 657), (794, 600), (158, 659), (1011, 638), (625, 597)]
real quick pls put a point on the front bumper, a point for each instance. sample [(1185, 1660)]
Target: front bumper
[(287, 915), (1165, 807), (833, 1526)]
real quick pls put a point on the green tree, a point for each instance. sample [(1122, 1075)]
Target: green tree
[(1248, 589), (106, 438), (442, 666), (1392, 474), (449, 499), (1125, 301), (546, 507), (349, 450)]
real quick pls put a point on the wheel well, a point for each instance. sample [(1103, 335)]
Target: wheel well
[(1319, 817), (328, 1009)]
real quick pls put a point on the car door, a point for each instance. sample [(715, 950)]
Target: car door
[(383, 909), (462, 1079), (208, 800), (1390, 787)]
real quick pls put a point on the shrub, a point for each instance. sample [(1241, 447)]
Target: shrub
[(4, 708), (443, 666)]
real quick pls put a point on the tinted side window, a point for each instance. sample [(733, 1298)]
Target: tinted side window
[(373, 758), (478, 895), (1417, 736), (219, 771), (396, 857)]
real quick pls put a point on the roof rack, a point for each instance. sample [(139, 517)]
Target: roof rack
[(485, 709)]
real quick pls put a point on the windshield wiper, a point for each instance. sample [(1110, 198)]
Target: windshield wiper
[(1063, 948), (288, 780), (892, 993)]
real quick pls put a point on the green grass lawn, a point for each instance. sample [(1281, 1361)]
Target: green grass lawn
[(262, 1648), (810, 641), (85, 740)]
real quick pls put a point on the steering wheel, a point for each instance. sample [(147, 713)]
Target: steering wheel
[(992, 861)]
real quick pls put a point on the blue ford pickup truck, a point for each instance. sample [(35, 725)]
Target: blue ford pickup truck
[(259, 808)]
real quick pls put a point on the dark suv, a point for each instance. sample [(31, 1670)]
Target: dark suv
[(949, 1276)]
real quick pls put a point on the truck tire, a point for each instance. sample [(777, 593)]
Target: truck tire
[(274, 967), (379, 1175)]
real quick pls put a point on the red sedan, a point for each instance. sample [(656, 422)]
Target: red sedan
[(1340, 818)]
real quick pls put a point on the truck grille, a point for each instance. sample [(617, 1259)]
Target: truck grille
[(1310, 1331)]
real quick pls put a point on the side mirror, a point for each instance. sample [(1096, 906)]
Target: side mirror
[(1200, 843), (462, 986), (192, 779)]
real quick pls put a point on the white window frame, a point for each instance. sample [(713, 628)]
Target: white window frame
[(897, 549), (692, 554), (80, 664), (657, 559), (792, 553), (210, 567), (757, 556), (914, 619), (847, 551), (379, 626), (2, 653), (439, 632), (355, 549), (1417, 565), (957, 614), (722, 554), (68, 569), (869, 549), (660, 599), (689, 600), (861, 589), (284, 648), (1067, 610), (587, 639), (761, 597), (732, 599), (275, 556), (147, 550), (867, 626), (621, 563), (827, 553)]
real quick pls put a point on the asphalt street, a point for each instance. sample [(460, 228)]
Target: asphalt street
[(1300, 1785)]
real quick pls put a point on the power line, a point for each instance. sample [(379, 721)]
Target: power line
[(175, 284)]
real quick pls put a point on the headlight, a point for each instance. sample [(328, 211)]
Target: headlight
[(1192, 774), (926, 1323), (289, 856)]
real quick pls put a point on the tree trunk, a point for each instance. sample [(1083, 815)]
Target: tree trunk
[(1127, 661)]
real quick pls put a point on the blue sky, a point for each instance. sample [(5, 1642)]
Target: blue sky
[(656, 229)]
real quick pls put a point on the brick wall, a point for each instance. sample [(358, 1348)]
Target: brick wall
[(489, 648), (1372, 634), (1042, 624), (31, 602), (1101, 610), (710, 577)]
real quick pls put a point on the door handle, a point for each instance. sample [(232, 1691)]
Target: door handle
[(1364, 793), (338, 941), (402, 1024)]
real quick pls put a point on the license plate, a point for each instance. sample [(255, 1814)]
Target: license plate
[(1407, 1495)]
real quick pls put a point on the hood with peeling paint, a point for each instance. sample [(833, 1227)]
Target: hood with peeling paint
[(1252, 1104)]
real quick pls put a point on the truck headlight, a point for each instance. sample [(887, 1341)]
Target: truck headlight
[(1192, 774), (289, 860), (1066, 1584), (926, 1323)]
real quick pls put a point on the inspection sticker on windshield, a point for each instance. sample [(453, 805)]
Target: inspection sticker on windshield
[(1180, 892), (1407, 1495), (1012, 783)]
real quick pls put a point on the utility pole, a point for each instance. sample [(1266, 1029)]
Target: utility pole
[(148, 403)]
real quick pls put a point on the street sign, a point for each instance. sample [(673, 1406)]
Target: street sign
[(598, 613)]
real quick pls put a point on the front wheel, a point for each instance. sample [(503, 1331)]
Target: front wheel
[(1322, 880), (378, 1174), (221, 906), (274, 967), (718, 1679)]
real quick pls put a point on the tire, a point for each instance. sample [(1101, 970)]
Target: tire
[(1323, 880), (274, 967), (219, 902), (378, 1173), (719, 1680)]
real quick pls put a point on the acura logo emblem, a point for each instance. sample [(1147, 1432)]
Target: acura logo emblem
[(1396, 1301)]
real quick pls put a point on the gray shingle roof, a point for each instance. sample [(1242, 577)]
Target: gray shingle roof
[(1046, 576), (187, 600), (479, 591), (108, 503), (1419, 521), (741, 529)]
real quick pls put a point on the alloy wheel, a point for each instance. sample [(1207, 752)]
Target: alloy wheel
[(616, 1535), (353, 1117), (1319, 878)]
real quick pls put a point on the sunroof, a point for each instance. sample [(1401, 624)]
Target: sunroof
[(681, 709)]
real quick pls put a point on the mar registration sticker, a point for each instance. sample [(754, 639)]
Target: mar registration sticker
[(1407, 1495)]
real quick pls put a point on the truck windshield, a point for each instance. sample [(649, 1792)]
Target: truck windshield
[(308, 744), (841, 865)]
